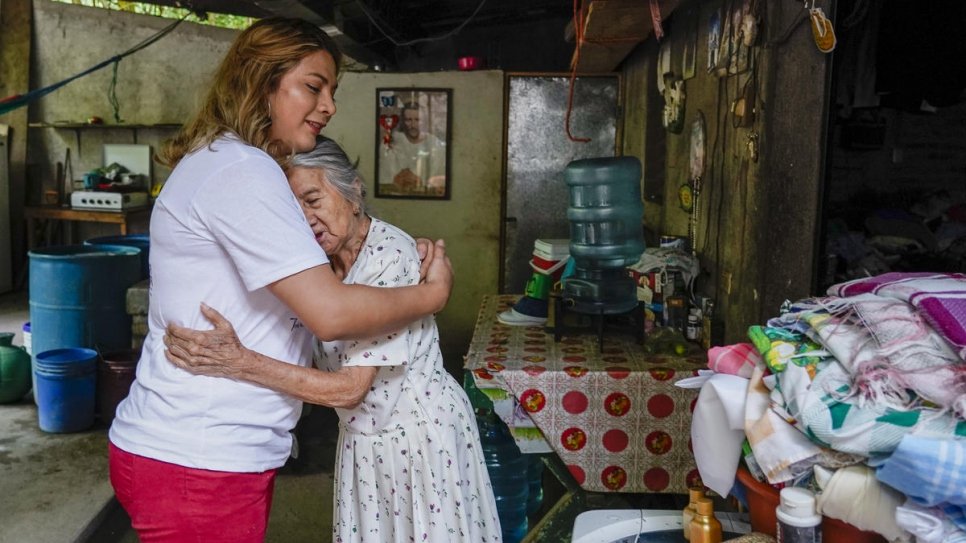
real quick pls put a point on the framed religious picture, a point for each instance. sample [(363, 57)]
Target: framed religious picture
[(412, 143)]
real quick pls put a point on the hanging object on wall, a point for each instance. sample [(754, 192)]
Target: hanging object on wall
[(696, 166), (686, 197), (674, 97), (743, 108), (749, 29), (714, 40), (671, 88), (689, 59), (388, 122), (696, 149), (822, 29), (733, 52), (753, 146)]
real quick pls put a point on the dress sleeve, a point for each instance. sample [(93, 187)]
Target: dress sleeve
[(389, 260)]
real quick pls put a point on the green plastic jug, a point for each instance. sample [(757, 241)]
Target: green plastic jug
[(14, 370)]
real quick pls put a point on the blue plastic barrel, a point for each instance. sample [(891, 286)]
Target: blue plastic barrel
[(141, 241), (65, 388), (508, 475), (78, 295)]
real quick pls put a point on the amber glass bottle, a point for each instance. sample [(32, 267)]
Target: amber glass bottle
[(694, 494), (705, 528)]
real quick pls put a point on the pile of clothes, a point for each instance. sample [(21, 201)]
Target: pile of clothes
[(860, 395)]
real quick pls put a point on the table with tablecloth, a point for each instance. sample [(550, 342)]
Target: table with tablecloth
[(614, 418)]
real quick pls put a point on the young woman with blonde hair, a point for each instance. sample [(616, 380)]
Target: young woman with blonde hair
[(193, 458)]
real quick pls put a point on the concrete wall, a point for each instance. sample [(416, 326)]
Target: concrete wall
[(470, 220), (15, 17), (160, 84), (757, 220)]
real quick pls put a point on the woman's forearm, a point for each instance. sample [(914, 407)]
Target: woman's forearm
[(335, 311), (219, 353), (344, 388)]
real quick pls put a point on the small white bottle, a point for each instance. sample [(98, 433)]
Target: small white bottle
[(798, 521)]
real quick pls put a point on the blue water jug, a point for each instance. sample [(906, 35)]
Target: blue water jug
[(534, 482), (508, 475), (606, 234)]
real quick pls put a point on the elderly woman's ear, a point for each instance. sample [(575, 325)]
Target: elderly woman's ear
[(360, 189)]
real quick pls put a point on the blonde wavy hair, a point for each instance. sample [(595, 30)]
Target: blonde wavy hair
[(237, 101)]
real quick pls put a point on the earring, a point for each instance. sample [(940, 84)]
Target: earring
[(269, 102)]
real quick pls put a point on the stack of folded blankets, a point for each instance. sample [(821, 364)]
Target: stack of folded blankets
[(860, 395)]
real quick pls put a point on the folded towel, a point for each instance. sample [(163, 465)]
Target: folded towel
[(717, 430), (739, 359), (853, 495)]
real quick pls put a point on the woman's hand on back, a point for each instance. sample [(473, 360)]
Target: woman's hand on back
[(217, 352)]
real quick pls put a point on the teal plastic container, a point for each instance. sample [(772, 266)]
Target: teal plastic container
[(65, 389), (140, 241), (508, 476), (605, 212), (78, 295), (606, 234)]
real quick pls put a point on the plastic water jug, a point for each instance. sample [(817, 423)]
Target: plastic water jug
[(508, 475), (606, 235)]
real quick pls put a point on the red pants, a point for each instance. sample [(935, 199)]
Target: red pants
[(171, 503)]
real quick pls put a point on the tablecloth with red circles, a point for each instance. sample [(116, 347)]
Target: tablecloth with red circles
[(615, 417)]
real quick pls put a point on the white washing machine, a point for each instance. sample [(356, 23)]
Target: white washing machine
[(645, 526)]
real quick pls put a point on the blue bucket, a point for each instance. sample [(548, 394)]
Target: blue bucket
[(141, 241), (78, 297), (65, 389)]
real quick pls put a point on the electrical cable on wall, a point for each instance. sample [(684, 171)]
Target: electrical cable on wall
[(16, 101), (579, 38)]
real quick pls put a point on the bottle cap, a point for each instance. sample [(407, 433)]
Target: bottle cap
[(797, 502), (695, 494), (704, 506)]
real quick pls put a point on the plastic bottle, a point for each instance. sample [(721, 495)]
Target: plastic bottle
[(508, 475), (693, 330), (687, 515), (705, 528), (798, 522), (535, 482)]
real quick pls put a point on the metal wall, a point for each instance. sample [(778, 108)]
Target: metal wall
[(538, 150)]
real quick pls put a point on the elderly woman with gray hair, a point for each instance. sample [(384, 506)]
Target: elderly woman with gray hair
[(409, 464)]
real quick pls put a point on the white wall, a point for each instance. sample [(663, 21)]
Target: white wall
[(470, 220)]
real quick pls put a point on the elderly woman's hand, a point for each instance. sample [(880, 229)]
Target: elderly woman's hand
[(425, 249), (217, 352)]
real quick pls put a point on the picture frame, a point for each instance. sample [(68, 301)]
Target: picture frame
[(413, 133)]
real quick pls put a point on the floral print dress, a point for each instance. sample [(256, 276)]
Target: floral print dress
[(409, 466)]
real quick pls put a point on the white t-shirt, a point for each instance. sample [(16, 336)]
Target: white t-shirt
[(225, 226), (426, 159)]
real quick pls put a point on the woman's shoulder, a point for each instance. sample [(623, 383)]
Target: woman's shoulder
[(232, 160), (384, 233)]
